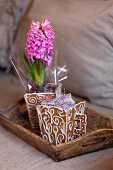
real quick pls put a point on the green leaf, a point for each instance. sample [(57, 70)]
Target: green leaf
[(42, 73), (27, 61), (35, 70)]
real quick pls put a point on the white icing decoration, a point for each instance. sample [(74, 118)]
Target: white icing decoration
[(59, 127)]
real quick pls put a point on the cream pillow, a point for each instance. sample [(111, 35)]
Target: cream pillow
[(84, 40)]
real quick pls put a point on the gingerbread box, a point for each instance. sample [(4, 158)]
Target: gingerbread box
[(62, 121), (32, 99)]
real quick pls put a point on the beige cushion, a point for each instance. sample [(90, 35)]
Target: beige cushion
[(84, 40), (11, 12)]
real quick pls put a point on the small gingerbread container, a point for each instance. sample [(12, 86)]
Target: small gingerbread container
[(32, 99), (60, 125)]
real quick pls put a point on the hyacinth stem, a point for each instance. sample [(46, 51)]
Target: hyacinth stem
[(38, 71), (34, 73)]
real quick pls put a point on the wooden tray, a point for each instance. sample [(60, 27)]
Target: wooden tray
[(99, 133)]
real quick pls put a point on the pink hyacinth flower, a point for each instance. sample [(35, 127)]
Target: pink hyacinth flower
[(40, 42)]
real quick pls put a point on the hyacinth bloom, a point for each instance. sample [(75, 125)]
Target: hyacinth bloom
[(39, 49)]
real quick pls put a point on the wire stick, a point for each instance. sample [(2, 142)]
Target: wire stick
[(55, 76), (62, 79), (17, 73)]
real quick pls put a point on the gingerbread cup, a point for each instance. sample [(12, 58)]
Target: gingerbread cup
[(32, 99), (59, 125)]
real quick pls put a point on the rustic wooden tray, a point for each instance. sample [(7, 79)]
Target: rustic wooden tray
[(99, 133)]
